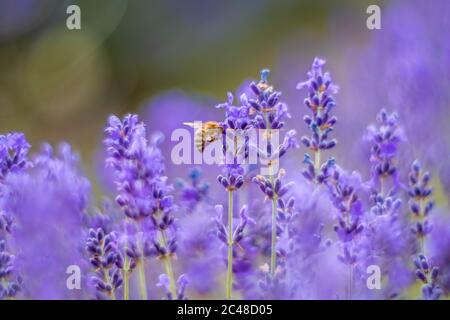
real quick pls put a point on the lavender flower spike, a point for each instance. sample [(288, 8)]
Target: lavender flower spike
[(49, 200), (343, 193), (13, 153), (420, 205), (385, 138), (387, 230), (105, 259), (320, 102), (9, 287), (123, 142), (144, 195), (269, 114), (13, 160), (235, 125)]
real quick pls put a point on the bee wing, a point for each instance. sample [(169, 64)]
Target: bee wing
[(192, 124)]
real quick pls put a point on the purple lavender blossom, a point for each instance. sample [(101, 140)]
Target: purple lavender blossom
[(320, 102), (428, 275), (13, 153), (278, 285), (13, 160), (198, 255), (385, 139), (231, 236), (181, 284), (420, 202), (9, 284), (136, 164), (438, 246), (420, 205), (274, 190), (235, 126), (269, 114), (105, 259), (48, 203), (399, 69), (238, 231), (144, 194), (194, 192), (343, 189), (388, 242)]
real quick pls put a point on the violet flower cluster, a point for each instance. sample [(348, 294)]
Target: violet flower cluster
[(235, 127), (269, 115), (321, 123), (343, 189), (421, 205), (329, 232), (106, 261), (193, 192), (13, 159), (389, 243), (144, 195)]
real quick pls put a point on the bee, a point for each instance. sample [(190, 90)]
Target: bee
[(205, 133)]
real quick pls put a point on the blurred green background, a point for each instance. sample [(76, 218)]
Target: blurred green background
[(59, 84)]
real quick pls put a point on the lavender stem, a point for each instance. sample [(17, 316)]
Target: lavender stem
[(142, 281), (230, 246), (168, 268), (126, 279)]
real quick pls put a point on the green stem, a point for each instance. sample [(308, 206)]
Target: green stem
[(382, 187), (141, 269), (142, 281), (229, 283), (273, 249), (108, 281), (350, 282), (273, 246), (168, 268), (126, 280), (317, 163)]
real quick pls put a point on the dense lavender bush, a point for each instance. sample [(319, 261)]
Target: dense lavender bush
[(264, 230)]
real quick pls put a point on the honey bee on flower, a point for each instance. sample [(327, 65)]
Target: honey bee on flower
[(205, 133)]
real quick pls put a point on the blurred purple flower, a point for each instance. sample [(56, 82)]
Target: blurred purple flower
[(48, 204)]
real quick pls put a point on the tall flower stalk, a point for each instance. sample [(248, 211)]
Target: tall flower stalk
[(230, 235), (386, 237), (122, 145), (420, 206), (165, 244), (277, 189), (144, 195), (49, 202), (385, 138), (268, 114), (234, 127), (320, 102), (343, 190)]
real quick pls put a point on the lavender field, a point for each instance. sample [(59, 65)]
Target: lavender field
[(308, 161)]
